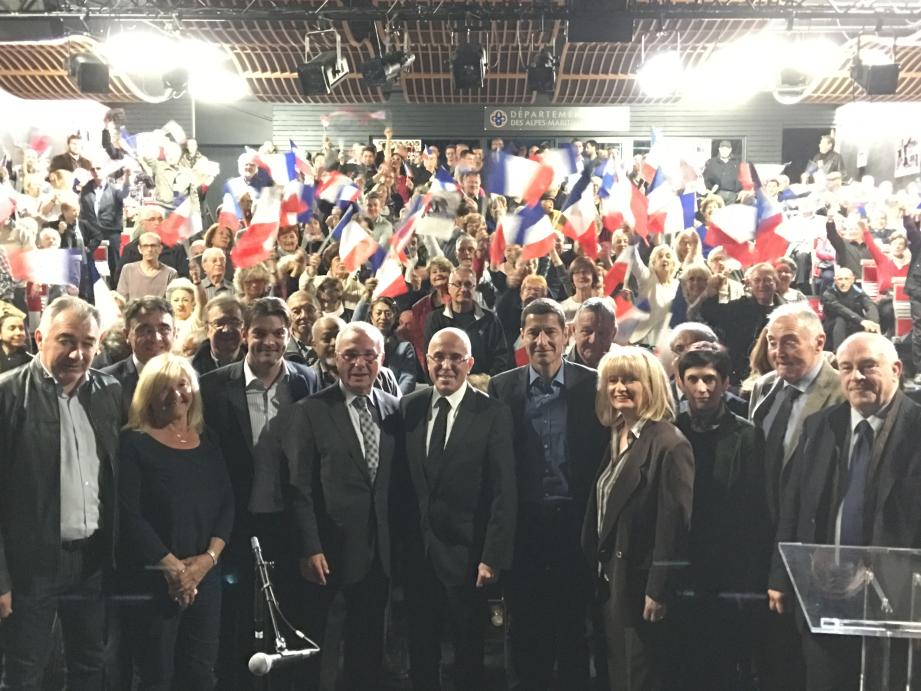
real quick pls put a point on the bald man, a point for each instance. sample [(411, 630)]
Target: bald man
[(854, 481), (463, 502), (848, 310)]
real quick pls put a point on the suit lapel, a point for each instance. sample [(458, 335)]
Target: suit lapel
[(885, 481), (626, 484), (340, 415), (236, 394), (764, 405), (816, 399), (296, 384), (417, 427)]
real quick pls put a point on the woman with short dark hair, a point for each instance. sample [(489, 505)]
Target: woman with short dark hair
[(176, 516)]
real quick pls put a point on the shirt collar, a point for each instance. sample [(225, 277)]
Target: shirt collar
[(635, 429), (559, 377), (349, 396), (877, 420), (454, 399), (806, 380), (49, 377), (477, 311), (335, 313), (249, 377), (137, 363)]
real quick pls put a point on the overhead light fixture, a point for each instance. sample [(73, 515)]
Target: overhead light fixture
[(542, 72), (320, 75), (176, 81), (468, 68), (219, 86), (376, 72), (661, 75)]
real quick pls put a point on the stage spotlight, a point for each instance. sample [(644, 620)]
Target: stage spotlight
[(176, 81), (320, 75), (542, 72), (378, 71), (661, 75), (469, 66)]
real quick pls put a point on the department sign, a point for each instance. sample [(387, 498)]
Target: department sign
[(549, 119)]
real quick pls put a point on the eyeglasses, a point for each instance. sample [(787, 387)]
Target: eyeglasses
[(462, 286), (442, 358), (150, 246), (226, 324), (354, 355), (163, 330)]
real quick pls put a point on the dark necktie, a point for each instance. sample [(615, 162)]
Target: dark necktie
[(773, 447), (439, 435), (852, 523)]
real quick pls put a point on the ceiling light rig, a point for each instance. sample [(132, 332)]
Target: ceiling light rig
[(323, 73), (379, 71)]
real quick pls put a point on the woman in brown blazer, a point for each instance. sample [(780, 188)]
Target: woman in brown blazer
[(637, 520)]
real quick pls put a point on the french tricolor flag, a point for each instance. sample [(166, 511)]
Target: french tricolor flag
[(297, 163), (563, 161), (769, 245), (404, 233), (580, 215), (520, 352), (276, 165), (530, 228), (178, 225), (390, 281), (297, 200), (617, 274), (350, 194), (356, 246), (629, 317), (331, 186), (442, 181), (663, 207), (625, 204), (519, 178), (257, 241)]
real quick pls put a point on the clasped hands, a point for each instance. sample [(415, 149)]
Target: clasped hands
[(183, 577)]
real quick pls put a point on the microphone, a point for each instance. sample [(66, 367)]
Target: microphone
[(261, 664)]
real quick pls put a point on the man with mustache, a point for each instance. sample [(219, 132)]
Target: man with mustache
[(854, 480), (244, 403), (801, 384), (304, 313), (224, 317)]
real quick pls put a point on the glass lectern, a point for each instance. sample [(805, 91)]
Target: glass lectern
[(870, 592)]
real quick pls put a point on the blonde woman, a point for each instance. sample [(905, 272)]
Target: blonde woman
[(688, 251), (656, 286), (638, 516), (177, 510), (252, 283), (188, 302)]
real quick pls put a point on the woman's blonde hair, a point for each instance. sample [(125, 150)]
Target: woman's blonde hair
[(258, 272), (696, 254), (645, 368), (657, 252), (160, 373)]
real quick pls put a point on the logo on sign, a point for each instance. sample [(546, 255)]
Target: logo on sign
[(498, 118)]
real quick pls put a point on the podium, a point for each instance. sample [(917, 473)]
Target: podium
[(870, 592)]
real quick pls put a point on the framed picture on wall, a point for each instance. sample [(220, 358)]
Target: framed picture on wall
[(907, 157)]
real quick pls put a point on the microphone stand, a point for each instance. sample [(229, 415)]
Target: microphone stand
[(265, 601)]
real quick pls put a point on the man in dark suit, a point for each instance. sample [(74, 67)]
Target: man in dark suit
[(730, 539), (462, 470), (341, 448), (102, 216), (854, 481), (149, 332), (559, 444), (325, 336), (244, 404), (58, 517), (224, 345)]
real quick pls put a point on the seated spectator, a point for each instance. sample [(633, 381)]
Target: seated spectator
[(399, 355), (848, 310), (13, 351), (148, 276), (786, 272), (222, 238), (849, 245), (177, 510), (718, 261), (252, 283), (740, 321), (214, 266), (439, 272), (224, 318)]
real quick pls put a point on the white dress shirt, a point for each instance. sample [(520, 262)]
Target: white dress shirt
[(455, 400), (804, 384), (356, 423)]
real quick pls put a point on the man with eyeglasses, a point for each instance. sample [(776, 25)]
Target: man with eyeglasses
[(148, 220), (342, 447), (459, 513), (224, 317), (489, 346), (149, 331), (245, 404)]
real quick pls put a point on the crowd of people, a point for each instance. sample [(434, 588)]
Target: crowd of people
[(608, 443)]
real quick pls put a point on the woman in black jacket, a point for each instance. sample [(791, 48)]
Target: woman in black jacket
[(637, 519), (177, 514)]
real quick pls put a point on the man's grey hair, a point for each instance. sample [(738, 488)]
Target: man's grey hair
[(319, 323), (65, 303), (806, 318), (600, 307), (462, 335), (368, 330), (211, 252), (877, 342)]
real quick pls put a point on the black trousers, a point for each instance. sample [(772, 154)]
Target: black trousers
[(432, 605), (74, 596), (780, 653), (548, 609), (242, 601), (177, 648), (916, 334), (363, 638)]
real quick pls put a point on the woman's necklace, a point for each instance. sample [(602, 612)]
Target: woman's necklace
[(183, 437)]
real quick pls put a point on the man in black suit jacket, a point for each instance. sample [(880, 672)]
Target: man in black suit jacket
[(58, 517), (244, 404), (225, 344), (462, 471), (559, 445), (102, 216), (854, 481), (149, 332), (341, 448)]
